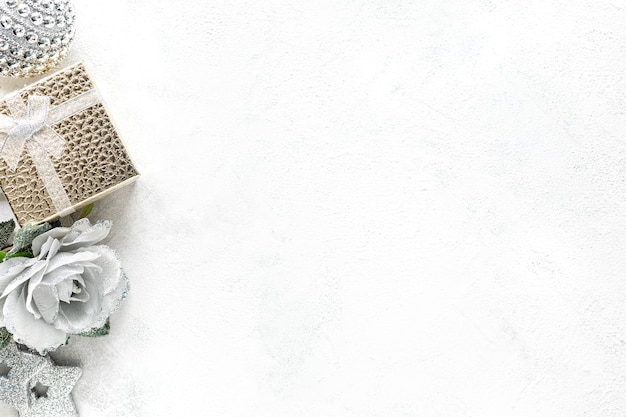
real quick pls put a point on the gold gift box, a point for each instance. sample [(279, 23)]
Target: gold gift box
[(47, 180)]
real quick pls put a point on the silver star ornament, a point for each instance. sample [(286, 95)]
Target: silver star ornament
[(58, 382), (35, 386), (21, 367)]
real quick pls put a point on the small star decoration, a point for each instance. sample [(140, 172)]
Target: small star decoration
[(35, 386), (22, 366)]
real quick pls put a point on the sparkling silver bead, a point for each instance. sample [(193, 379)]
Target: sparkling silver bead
[(49, 21), (11, 3), (31, 37), (44, 43), (5, 21), (36, 18), (23, 10), (19, 31), (4, 45)]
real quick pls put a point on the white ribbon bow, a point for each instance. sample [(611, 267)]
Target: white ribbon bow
[(29, 125)]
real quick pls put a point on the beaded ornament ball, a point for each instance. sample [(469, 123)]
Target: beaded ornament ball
[(34, 35)]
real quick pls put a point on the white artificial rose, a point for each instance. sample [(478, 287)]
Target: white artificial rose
[(70, 286)]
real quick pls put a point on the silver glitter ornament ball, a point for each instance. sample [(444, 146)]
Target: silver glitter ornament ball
[(34, 35)]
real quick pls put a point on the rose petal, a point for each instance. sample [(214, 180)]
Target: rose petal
[(56, 233), (112, 301), (115, 282), (53, 277), (47, 301), (89, 236), (43, 251), (110, 264), (66, 258), (80, 226), (64, 289), (78, 317), (91, 266), (54, 248), (11, 268), (34, 333), (33, 282), (37, 268)]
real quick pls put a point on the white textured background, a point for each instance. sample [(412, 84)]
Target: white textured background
[(384, 208)]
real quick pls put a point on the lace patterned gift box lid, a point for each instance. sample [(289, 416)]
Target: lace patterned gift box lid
[(59, 149)]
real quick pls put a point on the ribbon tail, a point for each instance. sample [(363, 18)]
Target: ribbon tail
[(47, 173), (51, 141), (12, 149)]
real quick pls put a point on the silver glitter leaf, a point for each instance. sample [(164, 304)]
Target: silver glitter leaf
[(24, 237), (6, 230), (98, 331), (5, 337)]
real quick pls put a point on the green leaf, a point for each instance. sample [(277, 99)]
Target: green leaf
[(20, 255), (86, 211), (6, 229), (2, 256), (23, 240), (98, 331), (5, 337)]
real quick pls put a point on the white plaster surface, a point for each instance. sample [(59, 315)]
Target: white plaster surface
[(363, 208)]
